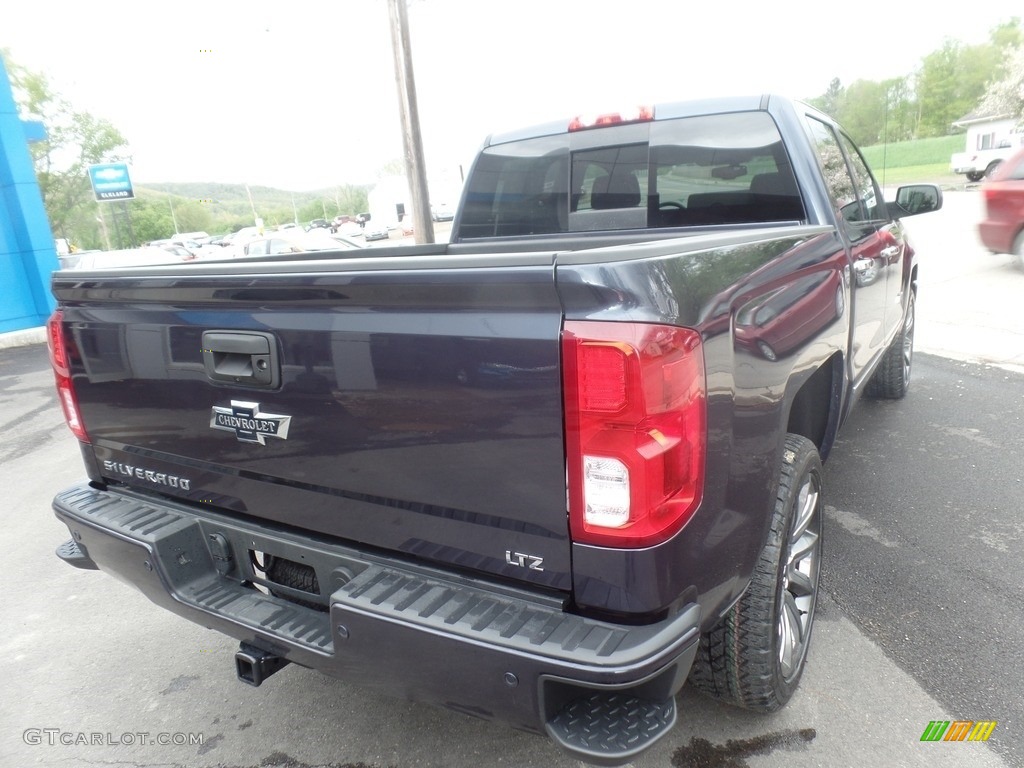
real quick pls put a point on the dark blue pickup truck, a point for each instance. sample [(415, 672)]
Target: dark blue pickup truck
[(543, 474)]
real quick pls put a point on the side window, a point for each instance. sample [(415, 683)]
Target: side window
[(842, 187), (867, 190), (258, 248), (278, 246)]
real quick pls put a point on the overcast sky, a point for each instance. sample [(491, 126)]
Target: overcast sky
[(301, 95)]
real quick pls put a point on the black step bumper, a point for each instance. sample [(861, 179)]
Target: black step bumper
[(603, 691)]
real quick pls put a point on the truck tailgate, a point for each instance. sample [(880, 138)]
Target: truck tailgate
[(416, 410)]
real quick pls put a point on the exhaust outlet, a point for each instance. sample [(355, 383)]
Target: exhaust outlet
[(254, 665)]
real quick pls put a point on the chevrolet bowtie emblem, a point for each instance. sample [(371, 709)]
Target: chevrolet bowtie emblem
[(248, 423)]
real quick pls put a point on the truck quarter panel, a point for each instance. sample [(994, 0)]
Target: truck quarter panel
[(770, 311)]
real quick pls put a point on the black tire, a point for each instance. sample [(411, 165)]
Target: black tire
[(992, 168), (975, 175), (892, 379), (288, 573), (754, 657)]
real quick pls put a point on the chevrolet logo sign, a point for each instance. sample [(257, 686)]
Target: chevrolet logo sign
[(248, 423)]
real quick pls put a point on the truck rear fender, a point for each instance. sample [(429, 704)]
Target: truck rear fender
[(771, 310), (816, 406)]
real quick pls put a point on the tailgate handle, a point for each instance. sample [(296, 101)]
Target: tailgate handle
[(248, 358)]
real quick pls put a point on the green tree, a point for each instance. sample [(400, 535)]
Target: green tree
[(75, 140), (830, 102), (862, 111), (1006, 96), (352, 199), (948, 84), (316, 210), (939, 102), (192, 216), (900, 110), (1008, 35), (953, 80), (151, 218), (393, 167)]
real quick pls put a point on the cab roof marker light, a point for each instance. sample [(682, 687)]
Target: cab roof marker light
[(639, 114)]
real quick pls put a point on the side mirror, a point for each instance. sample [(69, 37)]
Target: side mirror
[(916, 198)]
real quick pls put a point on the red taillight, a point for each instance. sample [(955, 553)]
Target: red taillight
[(636, 115), (635, 430), (62, 372)]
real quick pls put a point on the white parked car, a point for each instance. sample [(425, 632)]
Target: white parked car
[(297, 241), (375, 231), (127, 257)]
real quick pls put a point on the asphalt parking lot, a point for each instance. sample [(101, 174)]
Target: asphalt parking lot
[(98, 676)]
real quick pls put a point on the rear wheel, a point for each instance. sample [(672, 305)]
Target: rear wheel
[(892, 378), (755, 655), (975, 175), (992, 168)]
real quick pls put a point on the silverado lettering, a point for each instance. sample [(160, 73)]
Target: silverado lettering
[(139, 473), (629, 361)]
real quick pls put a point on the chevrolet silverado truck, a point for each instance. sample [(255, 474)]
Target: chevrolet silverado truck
[(542, 474)]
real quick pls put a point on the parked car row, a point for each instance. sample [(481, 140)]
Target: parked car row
[(297, 241), (243, 244)]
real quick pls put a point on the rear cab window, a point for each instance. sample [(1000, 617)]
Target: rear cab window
[(696, 171)]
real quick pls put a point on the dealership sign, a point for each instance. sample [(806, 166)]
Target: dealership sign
[(110, 181)]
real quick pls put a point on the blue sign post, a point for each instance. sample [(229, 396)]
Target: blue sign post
[(110, 181)]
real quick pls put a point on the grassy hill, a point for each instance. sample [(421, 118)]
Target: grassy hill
[(234, 199), (925, 160)]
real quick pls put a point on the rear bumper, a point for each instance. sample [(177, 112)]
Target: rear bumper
[(997, 235), (483, 649)]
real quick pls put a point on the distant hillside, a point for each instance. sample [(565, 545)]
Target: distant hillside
[(165, 207), (234, 198)]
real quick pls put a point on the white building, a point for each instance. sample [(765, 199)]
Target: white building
[(988, 131), (390, 199)]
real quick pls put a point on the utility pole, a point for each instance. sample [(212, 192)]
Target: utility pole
[(103, 227), (255, 219), (170, 202), (252, 206), (415, 167)]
